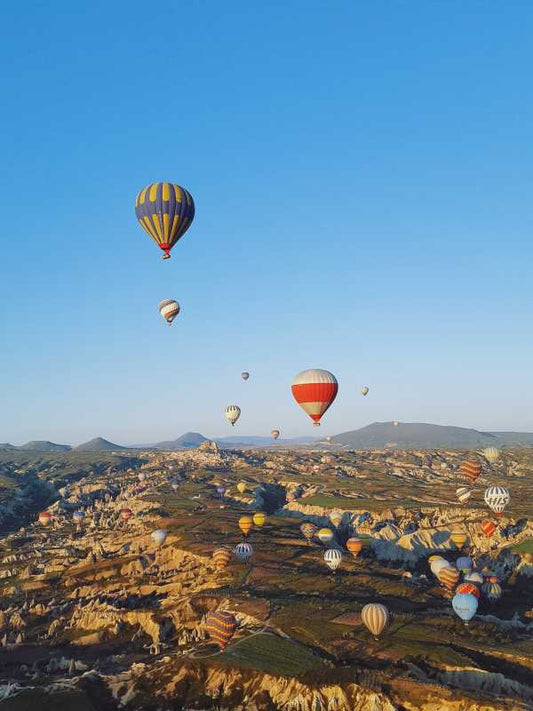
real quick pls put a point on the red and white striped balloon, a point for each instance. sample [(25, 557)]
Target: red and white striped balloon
[(315, 390)]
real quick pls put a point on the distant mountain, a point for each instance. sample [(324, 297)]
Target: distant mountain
[(414, 435), (44, 446), (189, 440), (98, 444), (5, 446), (523, 439)]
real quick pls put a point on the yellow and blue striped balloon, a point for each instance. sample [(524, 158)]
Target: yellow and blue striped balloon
[(165, 211)]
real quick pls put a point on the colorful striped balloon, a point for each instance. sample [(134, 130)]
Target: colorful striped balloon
[(245, 524), (463, 493), (464, 564), (488, 527), (448, 577), (315, 390), (221, 558), (354, 546), (244, 551), (491, 454), (325, 535), (221, 626), (375, 617), (468, 589), (497, 498), (459, 538), (333, 558), (232, 414), (492, 591), (308, 530), (169, 309), (45, 517), (165, 211), (471, 470)]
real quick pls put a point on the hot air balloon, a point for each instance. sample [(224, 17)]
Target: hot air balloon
[(364, 390), (221, 490), (308, 530), (375, 618), (488, 528), (245, 524), (165, 211), (395, 423), (464, 606), (243, 551), (463, 493), (159, 536), (474, 577), (492, 591), (354, 545), (437, 563), (290, 496), (126, 514), (336, 518), (315, 391), (491, 454), (221, 626), (169, 309), (275, 434), (325, 535), (259, 518), (459, 538), (241, 487), (448, 577), (497, 498), (141, 476), (45, 517), (332, 558), (329, 438), (221, 557), (468, 589), (245, 375), (78, 517), (464, 564), (471, 470), (232, 414)]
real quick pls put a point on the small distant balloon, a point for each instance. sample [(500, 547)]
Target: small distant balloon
[(259, 518), (365, 390), (275, 434), (491, 454), (169, 309), (159, 536), (245, 375), (245, 524), (332, 558), (243, 551), (232, 414)]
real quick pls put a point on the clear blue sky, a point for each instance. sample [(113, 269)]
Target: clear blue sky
[(363, 177)]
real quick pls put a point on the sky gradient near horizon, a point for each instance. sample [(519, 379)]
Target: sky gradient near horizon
[(362, 174)]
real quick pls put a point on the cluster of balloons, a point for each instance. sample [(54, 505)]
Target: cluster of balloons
[(496, 497), (467, 593)]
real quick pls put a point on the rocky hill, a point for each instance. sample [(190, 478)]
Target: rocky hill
[(98, 444), (44, 446), (414, 435)]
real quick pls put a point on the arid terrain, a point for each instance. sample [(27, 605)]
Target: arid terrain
[(98, 616)]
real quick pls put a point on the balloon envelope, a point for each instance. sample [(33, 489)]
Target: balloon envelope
[(232, 414), (364, 390), (221, 557), (325, 535), (245, 524), (333, 558), (243, 551), (165, 211), (464, 605), (245, 375), (497, 498), (315, 390), (375, 617), (169, 309), (159, 536), (221, 626)]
